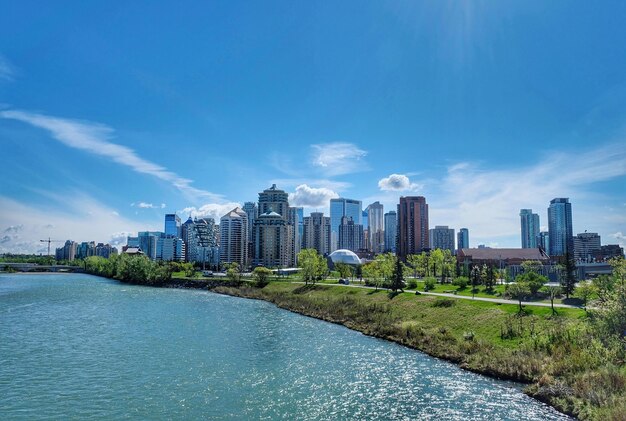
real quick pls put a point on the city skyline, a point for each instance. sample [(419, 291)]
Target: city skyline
[(219, 112)]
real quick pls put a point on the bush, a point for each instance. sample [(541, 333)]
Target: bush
[(412, 284), (429, 283), (461, 282), (444, 302)]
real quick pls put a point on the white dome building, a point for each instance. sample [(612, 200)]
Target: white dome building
[(344, 256)]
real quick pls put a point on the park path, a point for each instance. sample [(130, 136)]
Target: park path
[(462, 297)]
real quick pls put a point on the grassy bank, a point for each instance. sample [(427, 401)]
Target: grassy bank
[(557, 356)]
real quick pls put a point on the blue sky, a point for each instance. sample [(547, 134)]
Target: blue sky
[(112, 114)]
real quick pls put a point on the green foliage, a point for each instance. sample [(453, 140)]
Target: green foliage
[(518, 291), (533, 281), (461, 282), (568, 275), (261, 276), (372, 274), (411, 284), (344, 270), (429, 283), (610, 311), (553, 293), (134, 269), (531, 266), (314, 266), (233, 272), (397, 278)]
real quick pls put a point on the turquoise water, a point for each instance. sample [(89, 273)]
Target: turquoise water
[(82, 347)]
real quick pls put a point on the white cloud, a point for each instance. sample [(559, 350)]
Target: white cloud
[(488, 201), (82, 219), (620, 238), (94, 138), (339, 158), (144, 205), (311, 197), (398, 182), (320, 182), (210, 210), (7, 70)]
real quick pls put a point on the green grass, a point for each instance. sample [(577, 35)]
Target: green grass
[(564, 364)]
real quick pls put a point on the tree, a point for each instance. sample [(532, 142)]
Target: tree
[(261, 275), (343, 269), (423, 264), (321, 268), (188, 269), (436, 261), (414, 262), (568, 278), (518, 291), (553, 293), (585, 291), (307, 261), (490, 279), (531, 266), (475, 278), (533, 280), (605, 286), (397, 279), (386, 262), (371, 272), (359, 272), (233, 272), (448, 263)]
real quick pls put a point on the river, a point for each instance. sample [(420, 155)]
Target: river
[(82, 347)]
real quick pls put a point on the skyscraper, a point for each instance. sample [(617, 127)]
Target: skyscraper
[(350, 235), (376, 229), (317, 233), (462, 239), (586, 245), (339, 208), (391, 231), (412, 226), (530, 228), (200, 241), (172, 225), (234, 237), (544, 241), (295, 217), (252, 211), (442, 237), (273, 235), (560, 227)]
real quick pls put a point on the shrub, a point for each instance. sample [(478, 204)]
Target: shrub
[(429, 283), (461, 282), (411, 284), (444, 302), (469, 336)]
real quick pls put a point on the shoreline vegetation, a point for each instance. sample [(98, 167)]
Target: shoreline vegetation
[(569, 359)]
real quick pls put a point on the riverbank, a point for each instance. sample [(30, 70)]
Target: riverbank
[(554, 355)]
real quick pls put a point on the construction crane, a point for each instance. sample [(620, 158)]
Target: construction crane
[(50, 241)]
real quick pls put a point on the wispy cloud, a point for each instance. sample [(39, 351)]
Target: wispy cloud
[(488, 201), (339, 158), (144, 205), (7, 70), (94, 138), (398, 182), (82, 219), (311, 197), (209, 210)]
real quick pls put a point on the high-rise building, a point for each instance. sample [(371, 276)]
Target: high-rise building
[(544, 241), (295, 216), (586, 246), (442, 237), (317, 233), (339, 208), (149, 242), (252, 211), (391, 231), (412, 226), (560, 227), (234, 237), (85, 249), (67, 252), (376, 229), (172, 249), (530, 228), (172, 225), (273, 234), (350, 235), (462, 239), (200, 239), (105, 250)]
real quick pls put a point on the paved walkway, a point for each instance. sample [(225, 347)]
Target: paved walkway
[(462, 297)]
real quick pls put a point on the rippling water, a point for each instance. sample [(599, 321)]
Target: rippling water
[(81, 347)]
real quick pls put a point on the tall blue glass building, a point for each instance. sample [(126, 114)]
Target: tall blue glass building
[(530, 228), (560, 227), (339, 208), (172, 225)]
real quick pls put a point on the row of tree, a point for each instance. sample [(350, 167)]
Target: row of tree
[(132, 269)]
